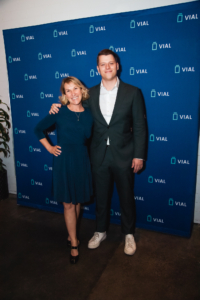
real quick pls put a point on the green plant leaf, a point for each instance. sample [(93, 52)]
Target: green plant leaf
[(4, 104), (4, 133)]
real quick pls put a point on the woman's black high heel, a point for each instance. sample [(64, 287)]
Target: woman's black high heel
[(69, 243), (74, 259)]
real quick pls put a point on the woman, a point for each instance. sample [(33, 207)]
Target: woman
[(72, 180)]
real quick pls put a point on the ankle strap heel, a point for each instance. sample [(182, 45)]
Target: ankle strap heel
[(74, 259), (74, 247)]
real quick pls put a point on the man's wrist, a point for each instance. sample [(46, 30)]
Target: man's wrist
[(138, 158)]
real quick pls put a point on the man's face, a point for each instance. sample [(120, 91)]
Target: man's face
[(107, 67)]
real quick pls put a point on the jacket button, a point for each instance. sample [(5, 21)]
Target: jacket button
[(108, 126)]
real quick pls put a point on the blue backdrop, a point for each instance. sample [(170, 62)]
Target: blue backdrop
[(159, 53)]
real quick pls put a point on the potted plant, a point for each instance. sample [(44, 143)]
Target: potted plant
[(4, 148)]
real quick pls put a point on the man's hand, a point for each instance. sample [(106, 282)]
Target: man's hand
[(137, 165), (54, 108)]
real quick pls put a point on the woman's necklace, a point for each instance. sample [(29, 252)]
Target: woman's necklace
[(76, 113), (78, 116)]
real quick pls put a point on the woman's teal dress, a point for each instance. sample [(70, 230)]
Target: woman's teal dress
[(72, 179)]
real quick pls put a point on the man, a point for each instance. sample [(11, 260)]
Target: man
[(117, 148)]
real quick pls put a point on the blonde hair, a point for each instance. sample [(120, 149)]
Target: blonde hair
[(76, 81)]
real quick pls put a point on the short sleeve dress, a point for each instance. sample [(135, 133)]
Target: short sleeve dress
[(72, 179)]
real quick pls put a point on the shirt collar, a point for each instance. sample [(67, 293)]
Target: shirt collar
[(115, 86)]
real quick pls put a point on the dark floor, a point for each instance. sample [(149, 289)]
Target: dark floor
[(35, 261)]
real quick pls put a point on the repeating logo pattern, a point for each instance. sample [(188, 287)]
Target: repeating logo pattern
[(181, 17), (156, 46), (134, 24), (57, 33), (165, 68)]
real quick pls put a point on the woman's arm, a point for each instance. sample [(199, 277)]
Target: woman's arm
[(45, 123), (51, 149)]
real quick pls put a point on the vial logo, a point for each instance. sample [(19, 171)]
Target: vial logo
[(40, 56), (132, 71), (73, 53), (149, 218), (28, 113), (180, 18), (57, 75), (45, 167), (111, 48), (18, 164), (10, 59), (154, 46), (16, 131), (32, 182), (177, 69), (153, 93), (91, 73), (150, 179), (30, 149), (91, 29), (19, 195), (55, 33), (152, 138), (22, 38), (13, 96), (132, 24), (47, 201), (171, 202), (26, 77), (42, 95), (112, 212), (173, 160), (175, 116)]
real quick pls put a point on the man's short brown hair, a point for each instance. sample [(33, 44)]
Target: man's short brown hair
[(107, 52)]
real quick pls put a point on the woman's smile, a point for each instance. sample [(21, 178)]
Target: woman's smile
[(73, 93)]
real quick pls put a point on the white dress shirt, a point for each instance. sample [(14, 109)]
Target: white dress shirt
[(107, 101)]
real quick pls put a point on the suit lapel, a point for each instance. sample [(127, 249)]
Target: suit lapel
[(97, 105), (119, 100)]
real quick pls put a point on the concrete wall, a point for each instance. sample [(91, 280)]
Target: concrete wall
[(22, 13)]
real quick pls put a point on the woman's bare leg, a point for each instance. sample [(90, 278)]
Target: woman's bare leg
[(71, 221), (78, 209)]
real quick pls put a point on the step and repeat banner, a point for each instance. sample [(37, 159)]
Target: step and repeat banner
[(159, 53)]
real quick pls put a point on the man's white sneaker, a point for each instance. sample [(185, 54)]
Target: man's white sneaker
[(130, 245), (97, 238)]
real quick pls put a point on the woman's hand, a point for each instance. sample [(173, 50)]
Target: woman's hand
[(52, 149), (54, 108), (55, 150)]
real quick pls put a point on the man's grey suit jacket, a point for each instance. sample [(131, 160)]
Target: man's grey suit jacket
[(127, 128)]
